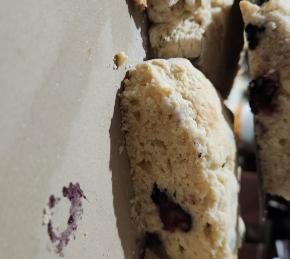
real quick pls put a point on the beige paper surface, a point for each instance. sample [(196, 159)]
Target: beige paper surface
[(59, 123)]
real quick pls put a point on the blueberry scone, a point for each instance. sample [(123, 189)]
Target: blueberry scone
[(182, 154), (267, 26), (209, 33)]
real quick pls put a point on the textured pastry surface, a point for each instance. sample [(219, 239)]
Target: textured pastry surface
[(182, 154), (180, 26), (268, 33), (198, 30)]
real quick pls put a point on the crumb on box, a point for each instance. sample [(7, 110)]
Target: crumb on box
[(89, 52), (120, 58)]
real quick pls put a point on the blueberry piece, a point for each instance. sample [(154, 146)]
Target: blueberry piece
[(262, 92), (172, 215), (260, 2), (152, 240), (254, 35)]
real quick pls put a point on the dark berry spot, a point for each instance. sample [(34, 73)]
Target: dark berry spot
[(262, 91), (70, 220), (50, 231), (73, 191), (254, 35), (152, 240), (172, 215), (51, 201), (260, 2)]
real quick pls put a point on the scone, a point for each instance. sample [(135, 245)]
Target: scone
[(268, 33), (182, 154), (209, 33)]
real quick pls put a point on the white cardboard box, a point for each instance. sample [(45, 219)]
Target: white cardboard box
[(59, 123)]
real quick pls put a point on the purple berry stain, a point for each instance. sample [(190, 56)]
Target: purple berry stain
[(52, 201), (262, 92), (171, 214), (75, 195)]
